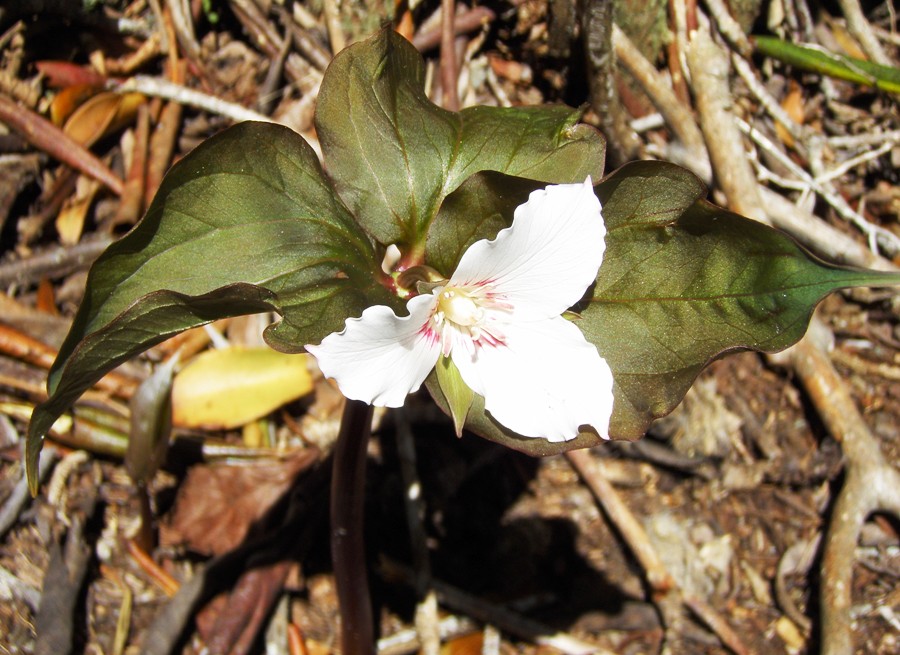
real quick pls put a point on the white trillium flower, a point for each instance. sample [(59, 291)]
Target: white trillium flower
[(499, 318)]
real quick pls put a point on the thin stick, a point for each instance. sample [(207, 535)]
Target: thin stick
[(675, 113), (657, 576), (729, 27), (668, 596), (859, 27), (28, 349), (53, 262), (863, 140), (862, 158), (449, 67), (348, 553), (771, 105), (20, 496), (709, 67), (43, 134), (469, 21), (871, 483), (333, 24), (876, 235), (160, 88), (596, 24), (818, 235)]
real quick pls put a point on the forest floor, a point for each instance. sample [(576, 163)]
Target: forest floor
[(716, 533)]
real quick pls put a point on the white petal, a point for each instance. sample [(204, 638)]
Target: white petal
[(543, 263), (545, 382), (380, 358)]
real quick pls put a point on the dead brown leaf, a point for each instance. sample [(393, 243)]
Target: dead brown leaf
[(218, 504)]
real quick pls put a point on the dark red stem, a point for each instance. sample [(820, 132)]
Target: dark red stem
[(348, 553)]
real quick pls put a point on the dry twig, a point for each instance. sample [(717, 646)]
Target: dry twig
[(859, 27), (159, 88), (668, 596), (675, 113), (729, 27), (464, 22), (20, 495), (596, 26), (449, 63), (709, 66), (53, 262)]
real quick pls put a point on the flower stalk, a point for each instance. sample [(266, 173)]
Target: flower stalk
[(348, 553)]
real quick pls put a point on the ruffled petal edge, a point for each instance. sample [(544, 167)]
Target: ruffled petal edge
[(380, 358)]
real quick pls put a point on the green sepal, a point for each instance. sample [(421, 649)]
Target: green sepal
[(458, 394)]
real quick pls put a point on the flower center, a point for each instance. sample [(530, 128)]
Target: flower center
[(468, 316), (459, 307)]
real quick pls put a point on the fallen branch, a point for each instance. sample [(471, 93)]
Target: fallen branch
[(676, 114), (709, 66), (870, 483)]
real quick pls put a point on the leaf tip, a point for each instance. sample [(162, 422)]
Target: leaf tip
[(33, 445)]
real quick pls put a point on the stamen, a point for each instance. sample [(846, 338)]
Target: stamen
[(462, 316)]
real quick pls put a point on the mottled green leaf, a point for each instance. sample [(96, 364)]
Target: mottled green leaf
[(682, 282), (482, 206), (246, 223), (394, 155)]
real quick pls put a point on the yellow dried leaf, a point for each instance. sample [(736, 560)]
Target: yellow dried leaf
[(793, 106), (70, 220), (230, 387), (104, 113), (846, 41)]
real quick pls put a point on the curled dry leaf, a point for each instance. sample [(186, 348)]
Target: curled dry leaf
[(71, 218), (102, 114), (68, 100)]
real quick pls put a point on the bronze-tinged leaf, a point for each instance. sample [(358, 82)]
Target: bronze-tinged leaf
[(394, 155), (682, 282), (246, 223)]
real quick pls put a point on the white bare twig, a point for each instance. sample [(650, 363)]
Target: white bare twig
[(876, 236), (845, 166), (709, 65), (859, 27), (864, 140), (160, 88), (677, 116), (729, 27), (770, 104)]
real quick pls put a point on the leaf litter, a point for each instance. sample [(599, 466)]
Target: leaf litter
[(750, 469)]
